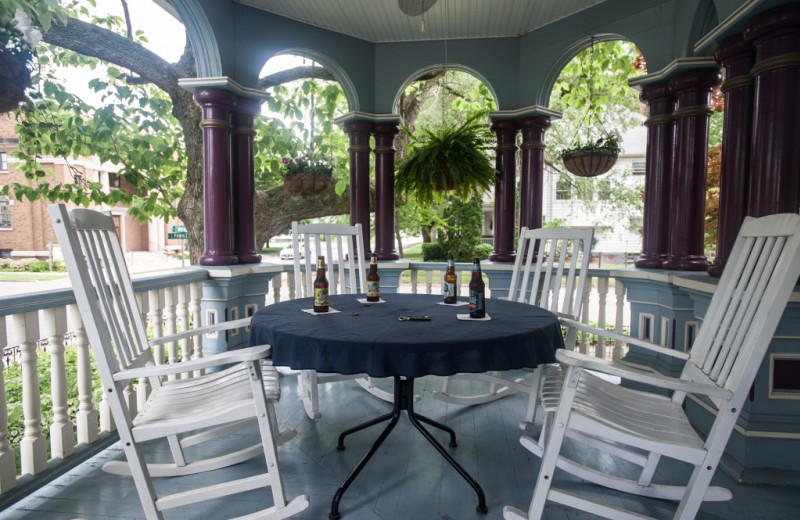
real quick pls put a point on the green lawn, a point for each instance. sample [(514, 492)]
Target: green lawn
[(8, 276)]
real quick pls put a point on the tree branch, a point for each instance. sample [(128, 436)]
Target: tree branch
[(91, 40), (285, 76)]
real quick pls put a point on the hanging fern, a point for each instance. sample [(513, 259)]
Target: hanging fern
[(450, 159)]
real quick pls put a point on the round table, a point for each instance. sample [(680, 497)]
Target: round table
[(372, 339)]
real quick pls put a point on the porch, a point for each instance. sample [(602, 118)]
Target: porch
[(61, 474), (405, 480)]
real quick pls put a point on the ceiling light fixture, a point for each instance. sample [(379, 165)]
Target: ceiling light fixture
[(415, 7)]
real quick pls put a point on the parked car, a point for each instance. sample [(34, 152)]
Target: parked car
[(287, 253)]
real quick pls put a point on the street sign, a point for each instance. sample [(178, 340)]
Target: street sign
[(178, 229), (180, 234)]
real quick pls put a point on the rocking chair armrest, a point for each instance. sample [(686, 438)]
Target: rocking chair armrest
[(570, 322), (223, 358), (571, 358), (225, 325)]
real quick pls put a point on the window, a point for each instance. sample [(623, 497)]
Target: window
[(5, 212), (3, 162), (639, 167), (113, 180), (562, 190)]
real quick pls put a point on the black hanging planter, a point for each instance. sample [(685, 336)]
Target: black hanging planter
[(589, 163)]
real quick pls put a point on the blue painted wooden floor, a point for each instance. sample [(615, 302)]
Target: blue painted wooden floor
[(406, 480)]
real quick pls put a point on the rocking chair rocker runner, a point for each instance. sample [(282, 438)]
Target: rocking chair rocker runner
[(344, 253), (641, 426), (550, 270), (242, 392)]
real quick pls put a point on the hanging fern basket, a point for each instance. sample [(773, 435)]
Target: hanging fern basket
[(14, 79), (589, 163)]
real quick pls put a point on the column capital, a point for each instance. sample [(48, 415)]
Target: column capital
[(358, 126), (537, 123), (503, 126), (214, 96)]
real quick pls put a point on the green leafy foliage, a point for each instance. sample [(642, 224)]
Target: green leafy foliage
[(450, 159)]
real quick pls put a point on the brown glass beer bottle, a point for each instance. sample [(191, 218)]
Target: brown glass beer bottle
[(477, 300), (373, 280), (449, 283), (321, 287)]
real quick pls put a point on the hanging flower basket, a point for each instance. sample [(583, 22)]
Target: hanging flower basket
[(14, 79), (590, 163), (304, 183)]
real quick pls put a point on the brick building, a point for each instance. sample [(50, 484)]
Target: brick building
[(25, 228)]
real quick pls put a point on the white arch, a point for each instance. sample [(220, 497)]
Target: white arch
[(338, 72), (436, 68), (552, 74), (201, 37)]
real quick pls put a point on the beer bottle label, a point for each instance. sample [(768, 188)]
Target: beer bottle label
[(373, 289), (476, 302), (320, 297), (449, 289)]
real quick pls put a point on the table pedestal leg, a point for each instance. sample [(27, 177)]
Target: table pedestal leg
[(403, 400)]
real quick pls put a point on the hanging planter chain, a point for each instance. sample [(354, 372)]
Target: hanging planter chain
[(590, 161)]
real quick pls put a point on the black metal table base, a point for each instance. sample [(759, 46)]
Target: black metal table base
[(403, 400)]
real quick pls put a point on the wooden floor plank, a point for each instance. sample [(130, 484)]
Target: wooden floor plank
[(407, 479)]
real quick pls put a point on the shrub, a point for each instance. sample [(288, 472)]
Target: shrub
[(433, 252), (482, 251), (38, 266)]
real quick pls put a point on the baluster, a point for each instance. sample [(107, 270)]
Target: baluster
[(86, 417), (182, 314), (587, 292), (414, 275), (33, 447), (428, 282), (602, 296), (292, 283), (277, 282), (54, 325), (459, 279), (170, 326), (8, 470), (138, 400), (194, 310), (155, 313), (619, 290)]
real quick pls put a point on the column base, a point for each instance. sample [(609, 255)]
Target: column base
[(387, 255), (650, 261), (227, 259), (686, 263), (502, 256), (250, 258), (715, 269)]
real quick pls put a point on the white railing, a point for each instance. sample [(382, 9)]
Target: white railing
[(42, 327), (47, 326)]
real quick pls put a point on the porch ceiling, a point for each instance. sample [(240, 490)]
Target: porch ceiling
[(384, 21)]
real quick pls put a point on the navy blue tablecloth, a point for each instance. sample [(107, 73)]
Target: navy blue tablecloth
[(376, 343)]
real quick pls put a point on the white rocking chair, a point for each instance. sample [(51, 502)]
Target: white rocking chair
[(554, 262), (242, 392), (346, 275), (640, 426)]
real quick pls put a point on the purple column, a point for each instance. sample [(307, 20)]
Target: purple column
[(530, 197), (658, 172), (359, 132), (244, 190), (737, 56), (216, 105), (504, 191), (692, 91), (775, 161), (384, 190)]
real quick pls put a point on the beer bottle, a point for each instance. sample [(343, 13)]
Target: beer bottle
[(321, 287), (373, 280), (449, 284), (477, 300)]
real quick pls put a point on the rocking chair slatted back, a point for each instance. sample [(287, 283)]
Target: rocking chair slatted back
[(117, 324), (740, 315), (344, 252), (558, 260)]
